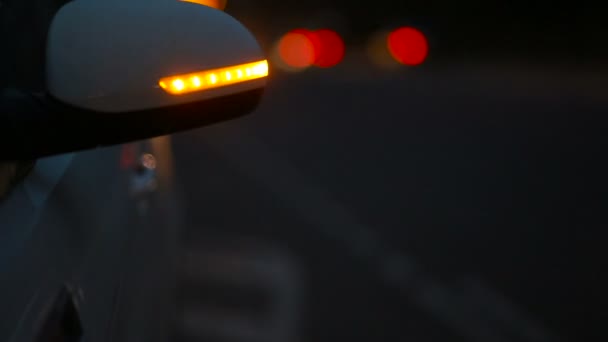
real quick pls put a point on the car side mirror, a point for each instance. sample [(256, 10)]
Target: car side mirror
[(120, 71)]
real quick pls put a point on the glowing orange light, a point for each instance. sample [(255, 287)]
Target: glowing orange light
[(218, 4), (177, 85), (196, 81), (331, 51), (297, 50), (203, 80), (408, 46)]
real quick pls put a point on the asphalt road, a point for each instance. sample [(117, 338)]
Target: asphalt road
[(424, 205)]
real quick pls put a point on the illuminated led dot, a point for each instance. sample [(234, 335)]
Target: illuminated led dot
[(239, 73), (178, 85), (163, 85), (212, 79), (248, 71), (228, 76), (261, 69), (196, 81)]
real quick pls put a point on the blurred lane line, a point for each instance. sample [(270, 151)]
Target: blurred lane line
[(274, 273), (205, 325), (335, 221), (199, 264)]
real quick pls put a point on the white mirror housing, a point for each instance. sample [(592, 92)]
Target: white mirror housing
[(117, 56), (125, 70)]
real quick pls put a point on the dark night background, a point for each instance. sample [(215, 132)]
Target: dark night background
[(546, 30), (567, 33)]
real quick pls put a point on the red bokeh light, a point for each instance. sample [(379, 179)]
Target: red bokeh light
[(301, 48), (408, 46), (332, 48)]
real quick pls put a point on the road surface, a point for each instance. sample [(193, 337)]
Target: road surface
[(426, 204), (484, 182)]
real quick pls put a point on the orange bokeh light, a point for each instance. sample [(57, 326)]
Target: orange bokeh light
[(408, 46), (302, 48), (297, 50)]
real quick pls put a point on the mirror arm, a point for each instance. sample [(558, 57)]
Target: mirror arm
[(37, 125), (22, 114)]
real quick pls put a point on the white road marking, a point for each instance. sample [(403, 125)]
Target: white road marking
[(259, 266)]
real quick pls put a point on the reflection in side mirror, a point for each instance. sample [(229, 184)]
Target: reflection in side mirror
[(119, 71)]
